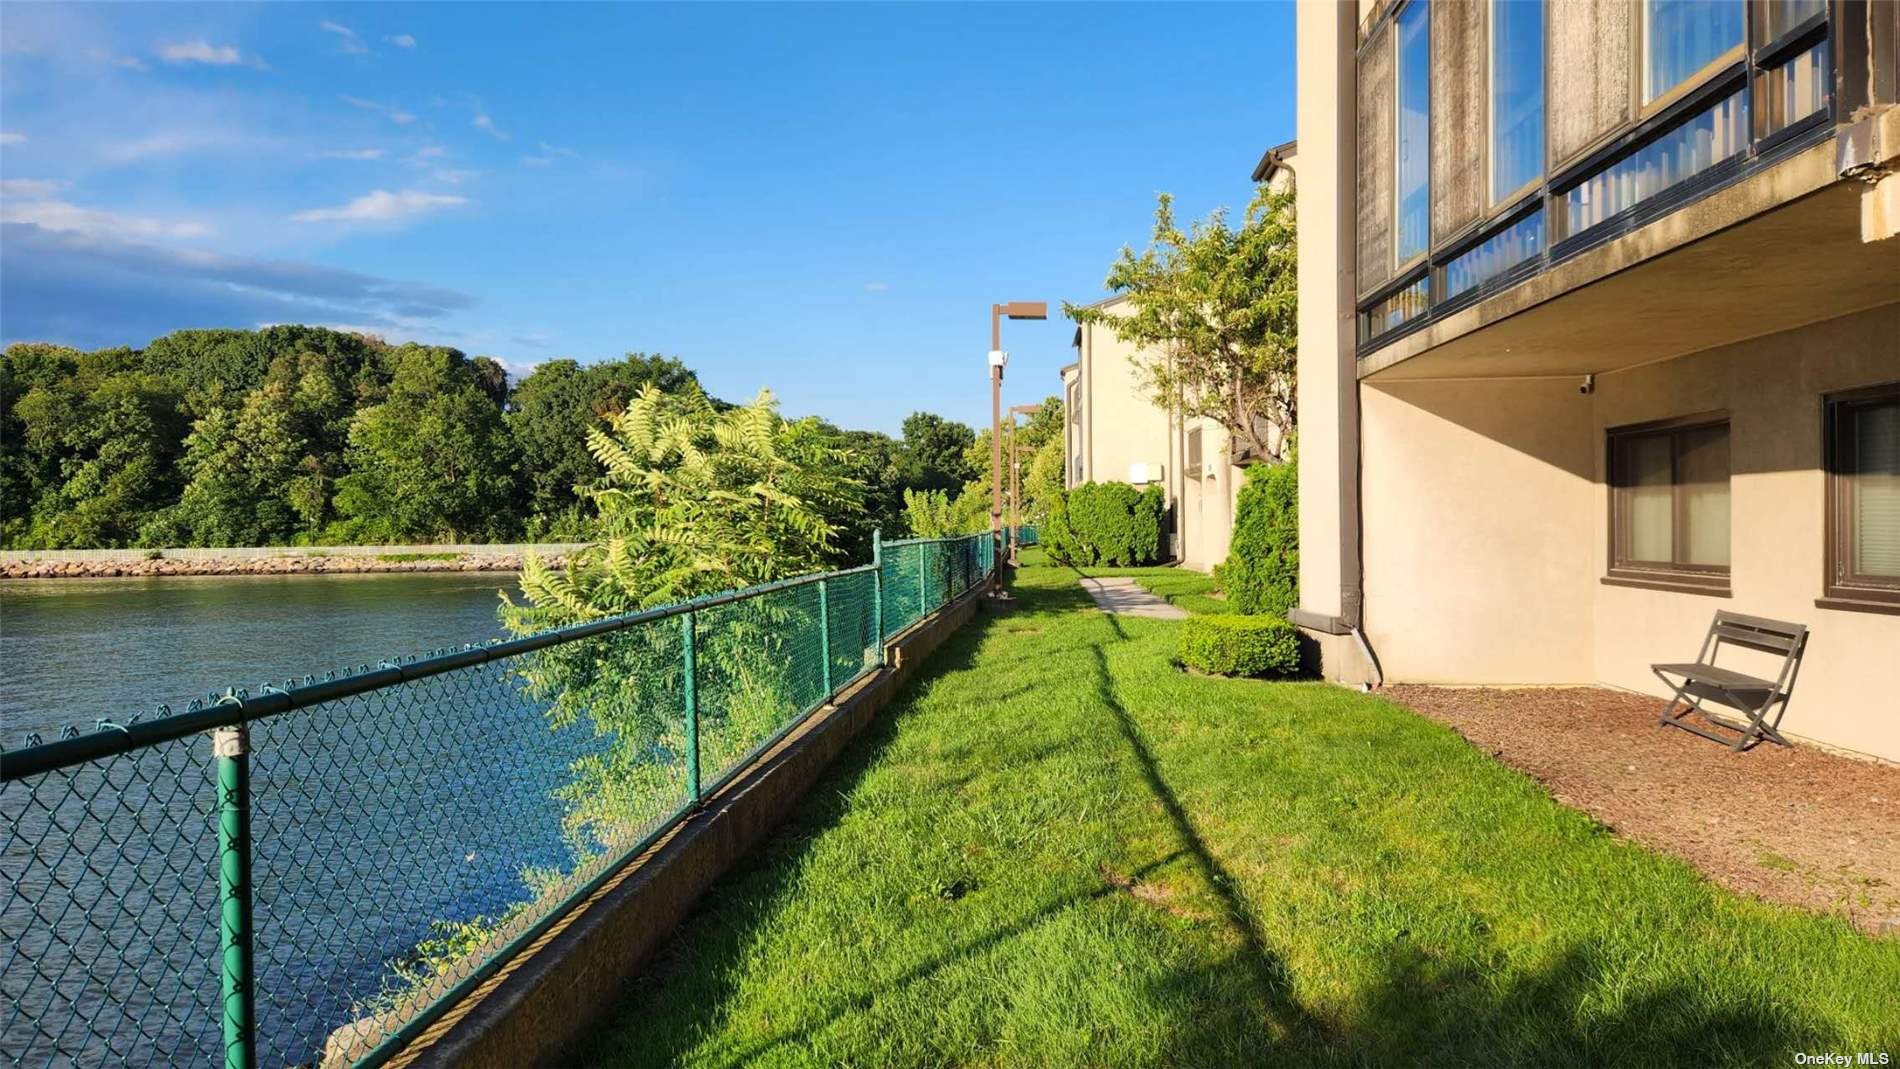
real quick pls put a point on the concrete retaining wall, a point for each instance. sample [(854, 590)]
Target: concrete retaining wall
[(238, 553), (536, 1007)]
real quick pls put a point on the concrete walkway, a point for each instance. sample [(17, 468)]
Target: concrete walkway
[(1127, 598)]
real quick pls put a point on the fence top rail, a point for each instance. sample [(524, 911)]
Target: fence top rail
[(238, 706), (947, 538)]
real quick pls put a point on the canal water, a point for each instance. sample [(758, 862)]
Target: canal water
[(73, 651), (372, 818)]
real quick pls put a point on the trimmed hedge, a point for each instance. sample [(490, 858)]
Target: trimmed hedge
[(1240, 645), (1262, 571), (1106, 523)]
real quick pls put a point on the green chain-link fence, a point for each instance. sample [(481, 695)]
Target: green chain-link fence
[(344, 857)]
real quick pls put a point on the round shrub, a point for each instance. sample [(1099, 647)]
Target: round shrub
[(1240, 645), (1107, 523)]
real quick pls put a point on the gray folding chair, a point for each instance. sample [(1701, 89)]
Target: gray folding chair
[(1752, 696)]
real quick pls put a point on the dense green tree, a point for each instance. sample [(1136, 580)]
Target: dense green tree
[(933, 455), (552, 410), (432, 461), (105, 441), (1218, 309)]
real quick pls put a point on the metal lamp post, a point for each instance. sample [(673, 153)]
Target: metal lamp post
[(1016, 482), (998, 313)]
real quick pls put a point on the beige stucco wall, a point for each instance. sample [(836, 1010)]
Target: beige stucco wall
[(1478, 530), (1122, 426), (1772, 389), (1207, 502), (1486, 527)]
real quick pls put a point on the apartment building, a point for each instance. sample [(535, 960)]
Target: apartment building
[(1117, 433), (1600, 333)]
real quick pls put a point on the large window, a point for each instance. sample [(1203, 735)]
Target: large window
[(1863, 459), (1493, 256), (1681, 38), (1669, 507), (1700, 143), (1414, 78), (1517, 95)]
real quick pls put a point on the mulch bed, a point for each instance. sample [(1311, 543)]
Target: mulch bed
[(1792, 825)]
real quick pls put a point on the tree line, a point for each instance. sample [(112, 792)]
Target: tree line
[(293, 435)]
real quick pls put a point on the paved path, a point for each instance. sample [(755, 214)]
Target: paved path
[(1126, 597)]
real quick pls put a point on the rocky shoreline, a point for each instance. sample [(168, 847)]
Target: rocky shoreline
[(287, 565)]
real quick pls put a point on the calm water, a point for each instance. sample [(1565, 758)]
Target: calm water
[(371, 817), (75, 650)]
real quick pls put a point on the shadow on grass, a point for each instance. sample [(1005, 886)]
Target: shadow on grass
[(1407, 1007)]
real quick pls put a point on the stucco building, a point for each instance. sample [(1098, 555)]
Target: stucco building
[(1600, 333), (1117, 433)]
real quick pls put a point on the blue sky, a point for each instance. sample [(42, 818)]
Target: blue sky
[(819, 199)]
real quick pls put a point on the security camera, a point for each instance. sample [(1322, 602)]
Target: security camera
[(1589, 385)]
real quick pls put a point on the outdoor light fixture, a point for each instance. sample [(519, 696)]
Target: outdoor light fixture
[(998, 358)]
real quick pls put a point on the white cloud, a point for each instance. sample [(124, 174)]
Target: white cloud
[(11, 138), (30, 187), (201, 51), (382, 206), (487, 125), (351, 154), (28, 200), (95, 291), (106, 55), (556, 150), (402, 40), (536, 161), (877, 287), (389, 111), (348, 41), (452, 175), (166, 143)]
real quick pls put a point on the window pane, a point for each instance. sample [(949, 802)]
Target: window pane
[(1780, 16), (1651, 499), (1700, 143), (1877, 490), (1702, 465), (1517, 95), (1683, 36), (1414, 132), (1794, 90), (1399, 308), (1497, 254)]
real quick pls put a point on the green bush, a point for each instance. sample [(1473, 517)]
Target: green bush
[(1240, 645), (1106, 523), (1262, 571)]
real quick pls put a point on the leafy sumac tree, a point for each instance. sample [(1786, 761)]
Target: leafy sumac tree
[(692, 500), (1215, 312)]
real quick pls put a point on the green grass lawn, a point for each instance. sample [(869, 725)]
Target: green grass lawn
[(1056, 849)]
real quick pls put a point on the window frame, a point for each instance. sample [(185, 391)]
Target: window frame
[(1841, 587), (1402, 267), (1671, 575), (1646, 105), (1493, 202)]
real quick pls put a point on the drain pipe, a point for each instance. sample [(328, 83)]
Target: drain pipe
[(1365, 648)]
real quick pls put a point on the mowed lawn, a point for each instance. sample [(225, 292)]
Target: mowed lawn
[(1057, 849)]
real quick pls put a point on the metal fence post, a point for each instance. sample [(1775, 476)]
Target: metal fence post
[(231, 747), (824, 634), (923, 580), (689, 643), (877, 589)]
